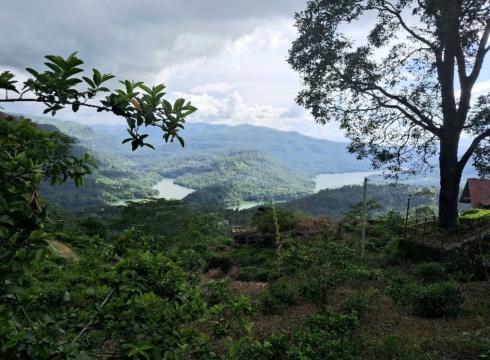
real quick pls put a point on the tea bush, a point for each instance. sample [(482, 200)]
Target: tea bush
[(281, 294), (430, 272), (221, 262), (440, 299)]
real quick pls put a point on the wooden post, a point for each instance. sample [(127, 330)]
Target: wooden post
[(364, 215), (408, 211)]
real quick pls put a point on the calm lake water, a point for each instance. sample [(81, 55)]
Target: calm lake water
[(168, 190), (337, 180)]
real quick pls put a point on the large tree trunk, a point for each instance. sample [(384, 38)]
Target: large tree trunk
[(450, 176)]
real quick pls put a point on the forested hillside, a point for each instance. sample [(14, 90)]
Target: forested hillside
[(336, 202), (224, 164)]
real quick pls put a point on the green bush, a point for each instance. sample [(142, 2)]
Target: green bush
[(94, 227), (430, 272), (474, 214), (360, 302), (326, 337), (280, 295), (478, 342), (392, 348), (217, 292), (221, 262), (440, 299), (264, 221)]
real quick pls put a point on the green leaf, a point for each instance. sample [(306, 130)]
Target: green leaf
[(167, 107), (178, 104), (97, 77), (181, 140)]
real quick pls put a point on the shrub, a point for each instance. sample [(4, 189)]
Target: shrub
[(272, 348), (437, 300), (264, 221), (392, 348), (93, 227), (440, 299), (430, 272), (478, 342), (359, 303), (474, 214), (280, 294), (222, 262), (326, 337), (217, 292)]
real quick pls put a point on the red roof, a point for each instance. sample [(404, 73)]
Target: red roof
[(477, 193)]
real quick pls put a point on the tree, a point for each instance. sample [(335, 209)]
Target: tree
[(29, 154), (59, 87), (406, 92)]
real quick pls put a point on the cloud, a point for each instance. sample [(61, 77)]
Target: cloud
[(227, 56), (130, 37)]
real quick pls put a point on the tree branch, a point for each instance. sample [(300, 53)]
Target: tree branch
[(38, 100), (480, 55), (402, 22), (86, 327), (471, 149), (424, 121)]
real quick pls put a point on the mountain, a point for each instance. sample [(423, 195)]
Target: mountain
[(225, 164), (300, 153)]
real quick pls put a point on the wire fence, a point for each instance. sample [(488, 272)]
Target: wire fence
[(427, 232)]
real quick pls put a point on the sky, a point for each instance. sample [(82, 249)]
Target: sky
[(227, 56)]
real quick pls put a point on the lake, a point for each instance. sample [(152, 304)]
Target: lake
[(337, 180), (168, 190)]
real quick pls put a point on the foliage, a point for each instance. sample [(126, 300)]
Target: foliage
[(336, 202), (478, 341), (328, 336), (280, 295), (438, 299), (392, 348), (474, 214), (28, 156), (263, 219), (319, 267), (399, 107), (217, 292), (221, 262), (59, 87), (430, 272)]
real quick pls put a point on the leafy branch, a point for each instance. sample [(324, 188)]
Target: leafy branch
[(60, 86)]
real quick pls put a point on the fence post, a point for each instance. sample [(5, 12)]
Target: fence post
[(364, 210), (408, 211)]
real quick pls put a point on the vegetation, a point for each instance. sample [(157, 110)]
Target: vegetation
[(58, 88), (414, 101), (173, 279), (337, 202)]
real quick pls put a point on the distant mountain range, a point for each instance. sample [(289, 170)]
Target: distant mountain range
[(225, 164)]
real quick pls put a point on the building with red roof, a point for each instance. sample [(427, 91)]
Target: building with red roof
[(477, 193)]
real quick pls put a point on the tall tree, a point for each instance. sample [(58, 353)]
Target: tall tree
[(404, 93)]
